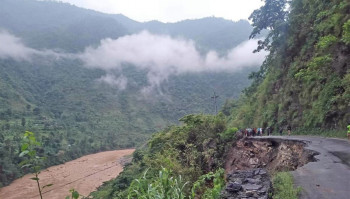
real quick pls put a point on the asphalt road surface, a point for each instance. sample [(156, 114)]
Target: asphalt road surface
[(329, 176)]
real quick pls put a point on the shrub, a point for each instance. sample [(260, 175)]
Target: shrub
[(284, 187), (228, 134), (216, 185), (326, 42), (346, 32)]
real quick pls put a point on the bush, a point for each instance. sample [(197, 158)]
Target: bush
[(214, 190), (228, 134), (326, 42), (346, 32), (284, 187)]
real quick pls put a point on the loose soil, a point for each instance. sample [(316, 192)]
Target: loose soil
[(272, 154), (84, 175)]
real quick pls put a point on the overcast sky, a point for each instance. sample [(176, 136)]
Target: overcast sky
[(172, 10)]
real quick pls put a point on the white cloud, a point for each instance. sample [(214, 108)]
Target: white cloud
[(12, 47), (162, 56)]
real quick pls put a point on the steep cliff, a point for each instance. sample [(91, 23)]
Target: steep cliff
[(305, 81)]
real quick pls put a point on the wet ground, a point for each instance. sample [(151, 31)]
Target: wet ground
[(84, 175)]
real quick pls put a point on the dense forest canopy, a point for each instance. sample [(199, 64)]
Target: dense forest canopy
[(74, 109), (304, 82)]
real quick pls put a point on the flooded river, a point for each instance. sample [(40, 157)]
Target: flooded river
[(84, 174)]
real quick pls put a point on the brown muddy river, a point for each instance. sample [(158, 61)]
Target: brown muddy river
[(84, 174)]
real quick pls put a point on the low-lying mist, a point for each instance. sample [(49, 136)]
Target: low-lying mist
[(12, 47), (160, 55)]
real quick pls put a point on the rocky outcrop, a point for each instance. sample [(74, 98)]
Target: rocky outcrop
[(254, 183)]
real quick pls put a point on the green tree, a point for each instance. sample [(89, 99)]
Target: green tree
[(36, 111), (271, 16)]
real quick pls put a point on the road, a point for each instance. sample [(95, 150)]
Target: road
[(329, 176), (84, 174)]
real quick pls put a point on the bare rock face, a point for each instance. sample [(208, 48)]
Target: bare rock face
[(253, 183), (274, 155)]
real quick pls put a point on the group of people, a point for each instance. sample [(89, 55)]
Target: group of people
[(261, 131), (254, 131)]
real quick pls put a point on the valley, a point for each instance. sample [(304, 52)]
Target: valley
[(116, 108), (49, 87)]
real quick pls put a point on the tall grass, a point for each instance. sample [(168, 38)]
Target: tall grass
[(283, 185), (163, 187)]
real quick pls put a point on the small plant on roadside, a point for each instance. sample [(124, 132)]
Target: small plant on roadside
[(283, 186), (31, 158)]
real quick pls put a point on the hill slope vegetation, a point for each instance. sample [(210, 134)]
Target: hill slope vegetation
[(304, 82), (71, 111)]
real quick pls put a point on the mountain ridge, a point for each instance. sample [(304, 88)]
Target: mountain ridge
[(66, 18)]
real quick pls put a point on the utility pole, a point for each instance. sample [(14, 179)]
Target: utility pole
[(216, 107)]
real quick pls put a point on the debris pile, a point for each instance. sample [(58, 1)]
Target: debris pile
[(252, 184), (272, 154)]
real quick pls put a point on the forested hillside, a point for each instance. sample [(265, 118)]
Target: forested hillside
[(304, 82), (71, 110)]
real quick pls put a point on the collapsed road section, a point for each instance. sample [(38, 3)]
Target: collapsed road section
[(319, 165)]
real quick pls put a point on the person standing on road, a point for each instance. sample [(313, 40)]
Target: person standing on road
[(268, 129), (255, 132), (281, 131), (289, 128)]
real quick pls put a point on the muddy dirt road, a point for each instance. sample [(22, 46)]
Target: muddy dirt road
[(84, 175)]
